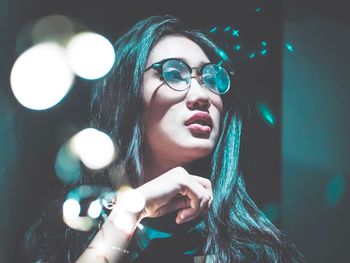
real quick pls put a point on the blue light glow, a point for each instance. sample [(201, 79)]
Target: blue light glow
[(235, 32), (251, 55), (335, 190), (266, 114), (67, 165), (213, 30), (227, 28), (263, 52), (222, 54), (237, 47), (289, 47)]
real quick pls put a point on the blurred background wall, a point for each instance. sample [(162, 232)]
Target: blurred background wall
[(316, 128)]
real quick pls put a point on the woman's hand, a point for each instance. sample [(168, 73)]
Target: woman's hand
[(176, 189)]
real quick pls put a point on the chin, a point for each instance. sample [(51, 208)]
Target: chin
[(198, 149)]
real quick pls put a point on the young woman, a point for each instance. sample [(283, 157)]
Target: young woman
[(169, 107)]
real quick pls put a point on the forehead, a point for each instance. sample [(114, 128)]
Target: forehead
[(178, 46)]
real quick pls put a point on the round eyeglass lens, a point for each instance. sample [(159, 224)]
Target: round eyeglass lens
[(176, 74), (216, 78)]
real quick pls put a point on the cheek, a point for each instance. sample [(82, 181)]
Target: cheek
[(219, 107)]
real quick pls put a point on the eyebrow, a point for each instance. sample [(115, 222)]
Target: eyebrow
[(185, 60), (200, 64)]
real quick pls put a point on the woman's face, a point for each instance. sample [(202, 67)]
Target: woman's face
[(181, 126)]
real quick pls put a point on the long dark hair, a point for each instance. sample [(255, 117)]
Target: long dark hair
[(236, 230)]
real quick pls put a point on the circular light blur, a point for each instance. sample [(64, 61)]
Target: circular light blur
[(95, 148), (40, 77), (124, 221), (108, 199), (95, 209), (53, 28), (67, 165), (132, 200), (90, 55), (71, 208)]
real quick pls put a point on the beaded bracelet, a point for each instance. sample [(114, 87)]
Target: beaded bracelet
[(125, 251)]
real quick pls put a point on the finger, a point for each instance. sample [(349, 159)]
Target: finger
[(202, 195), (194, 191), (203, 181), (189, 218), (173, 205), (207, 185)]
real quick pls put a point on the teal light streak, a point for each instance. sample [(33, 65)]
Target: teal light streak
[(258, 9), (227, 28), (266, 114), (222, 54), (235, 32), (289, 47), (252, 55), (264, 43), (263, 52), (335, 190), (213, 30), (237, 47)]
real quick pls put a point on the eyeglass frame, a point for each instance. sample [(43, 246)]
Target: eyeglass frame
[(158, 66)]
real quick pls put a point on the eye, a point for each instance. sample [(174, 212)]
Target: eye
[(174, 75), (209, 80)]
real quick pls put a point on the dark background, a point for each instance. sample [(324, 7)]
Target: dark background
[(297, 170)]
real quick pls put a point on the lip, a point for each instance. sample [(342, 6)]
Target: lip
[(200, 122)]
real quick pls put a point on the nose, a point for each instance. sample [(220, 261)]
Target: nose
[(197, 96)]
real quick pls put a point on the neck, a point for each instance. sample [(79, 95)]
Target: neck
[(154, 166)]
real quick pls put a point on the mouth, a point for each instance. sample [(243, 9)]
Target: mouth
[(200, 123)]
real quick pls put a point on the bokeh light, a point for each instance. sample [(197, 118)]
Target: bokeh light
[(289, 47), (90, 55), (222, 54), (266, 114), (263, 52), (67, 165), (95, 149), (335, 190), (95, 209), (252, 55), (237, 47), (214, 29), (57, 28), (235, 32), (132, 200), (83, 207), (71, 208), (124, 221), (108, 199), (40, 77)]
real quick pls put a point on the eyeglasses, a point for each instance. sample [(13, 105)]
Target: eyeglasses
[(177, 74)]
